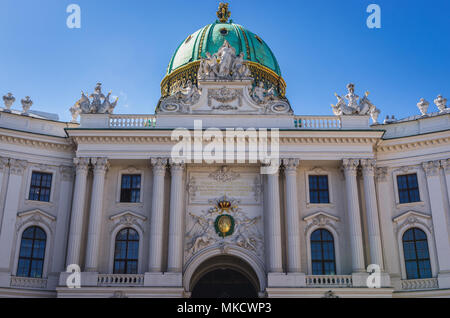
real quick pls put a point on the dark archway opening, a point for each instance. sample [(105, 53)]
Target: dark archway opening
[(224, 283)]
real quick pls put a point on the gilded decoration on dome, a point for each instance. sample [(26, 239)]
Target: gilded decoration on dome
[(223, 13)]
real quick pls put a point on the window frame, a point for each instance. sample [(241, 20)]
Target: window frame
[(131, 189), (31, 258), (132, 171), (408, 189), (41, 169), (318, 189), (417, 259), (421, 181), (322, 261), (126, 260), (319, 172), (31, 186)]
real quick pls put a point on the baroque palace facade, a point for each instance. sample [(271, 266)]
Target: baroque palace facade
[(148, 206)]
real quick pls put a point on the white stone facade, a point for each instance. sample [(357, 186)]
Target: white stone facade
[(84, 212)]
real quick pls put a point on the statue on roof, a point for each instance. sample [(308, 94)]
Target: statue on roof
[(96, 103), (352, 107)]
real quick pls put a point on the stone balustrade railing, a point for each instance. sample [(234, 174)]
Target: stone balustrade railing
[(416, 284), (120, 279), (329, 280), (132, 121), (28, 282), (317, 122)]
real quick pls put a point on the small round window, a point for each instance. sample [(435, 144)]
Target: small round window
[(223, 31)]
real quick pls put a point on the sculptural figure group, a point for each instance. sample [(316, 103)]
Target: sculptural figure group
[(223, 65), (365, 107)]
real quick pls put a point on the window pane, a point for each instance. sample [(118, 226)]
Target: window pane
[(317, 268), (411, 270), (314, 197), (409, 235), (132, 267), (419, 234), (409, 250), (119, 267), (416, 254), (40, 187), (313, 182), (126, 251), (22, 268), (424, 269), (322, 252), (323, 182), (126, 183), (408, 188), (32, 252)]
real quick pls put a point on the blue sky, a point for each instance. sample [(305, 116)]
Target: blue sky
[(320, 46)]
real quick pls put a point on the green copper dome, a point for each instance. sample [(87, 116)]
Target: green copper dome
[(211, 37), (184, 65)]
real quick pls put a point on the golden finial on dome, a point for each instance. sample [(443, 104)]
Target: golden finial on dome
[(223, 13)]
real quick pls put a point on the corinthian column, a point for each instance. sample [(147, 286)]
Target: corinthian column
[(440, 222), (373, 222), (157, 215), (292, 217), (446, 166), (8, 229), (273, 223), (76, 219), (176, 232), (356, 243), (95, 213)]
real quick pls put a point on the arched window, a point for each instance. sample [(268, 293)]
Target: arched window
[(32, 253), (417, 257), (322, 253), (126, 252)]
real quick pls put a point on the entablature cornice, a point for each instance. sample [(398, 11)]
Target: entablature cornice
[(164, 136), (35, 140), (414, 142)]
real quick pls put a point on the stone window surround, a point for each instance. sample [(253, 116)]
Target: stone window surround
[(136, 222), (130, 170), (37, 218), (317, 171), (42, 169), (421, 181), (409, 220), (330, 223)]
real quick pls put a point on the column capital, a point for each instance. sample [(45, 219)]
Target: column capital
[(368, 166), (445, 164), (159, 165), (66, 173), (17, 167), (3, 162), (431, 168), (381, 174), (176, 166), (350, 166), (290, 165), (271, 167), (81, 163), (100, 164)]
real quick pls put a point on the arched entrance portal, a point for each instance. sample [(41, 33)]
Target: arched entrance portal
[(224, 277)]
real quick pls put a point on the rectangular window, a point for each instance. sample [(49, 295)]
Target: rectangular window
[(408, 188), (318, 189), (130, 188), (40, 187)]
